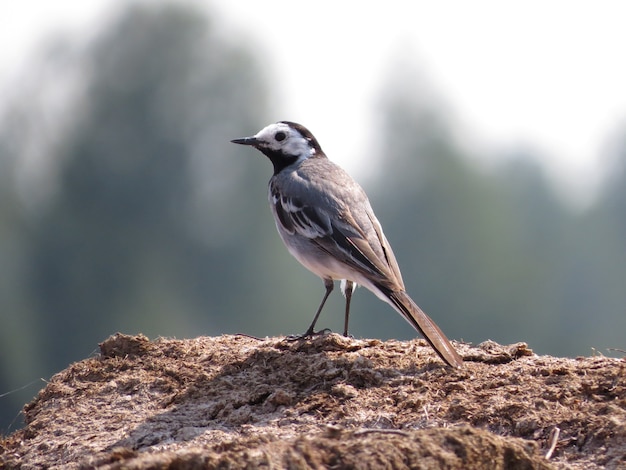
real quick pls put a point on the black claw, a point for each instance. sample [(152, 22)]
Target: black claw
[(308, 334)]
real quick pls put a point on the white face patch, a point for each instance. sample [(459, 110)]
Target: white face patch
[(281, 137)]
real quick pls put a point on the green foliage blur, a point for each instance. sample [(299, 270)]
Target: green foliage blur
[(146, 219)]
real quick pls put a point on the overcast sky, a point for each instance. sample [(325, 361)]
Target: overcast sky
[(548, 75)]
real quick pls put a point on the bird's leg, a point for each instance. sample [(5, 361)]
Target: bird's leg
[(330, 285), (348, 289)]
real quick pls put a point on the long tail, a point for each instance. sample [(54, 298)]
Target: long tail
[(425, 326)]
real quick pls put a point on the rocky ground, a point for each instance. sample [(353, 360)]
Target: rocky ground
[(328, 402)]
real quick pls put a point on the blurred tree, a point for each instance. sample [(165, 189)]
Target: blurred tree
[(614, 193), (480, 250), (147, 228), (597, 274), (495, 253), (20, 354)]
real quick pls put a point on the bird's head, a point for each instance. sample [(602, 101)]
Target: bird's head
[(284, 143)]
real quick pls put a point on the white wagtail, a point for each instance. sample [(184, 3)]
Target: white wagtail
[(325, 219)]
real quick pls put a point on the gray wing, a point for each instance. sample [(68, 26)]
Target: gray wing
[(335, 215)]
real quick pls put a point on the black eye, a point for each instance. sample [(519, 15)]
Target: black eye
[(280, 136)]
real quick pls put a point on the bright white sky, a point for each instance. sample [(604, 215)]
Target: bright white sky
[(549, 75)]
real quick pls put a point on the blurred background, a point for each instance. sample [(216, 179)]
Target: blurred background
[(490, 137)]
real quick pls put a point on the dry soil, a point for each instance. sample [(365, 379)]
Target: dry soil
[(327, 402)]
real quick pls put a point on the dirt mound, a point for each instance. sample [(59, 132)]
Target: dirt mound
[(329, 402)]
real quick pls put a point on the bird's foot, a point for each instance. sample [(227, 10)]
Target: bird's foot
[(308, 334)]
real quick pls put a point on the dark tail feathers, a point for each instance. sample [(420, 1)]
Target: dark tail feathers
[(426, 327)]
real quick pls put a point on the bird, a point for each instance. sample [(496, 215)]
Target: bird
[(326, 222)]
